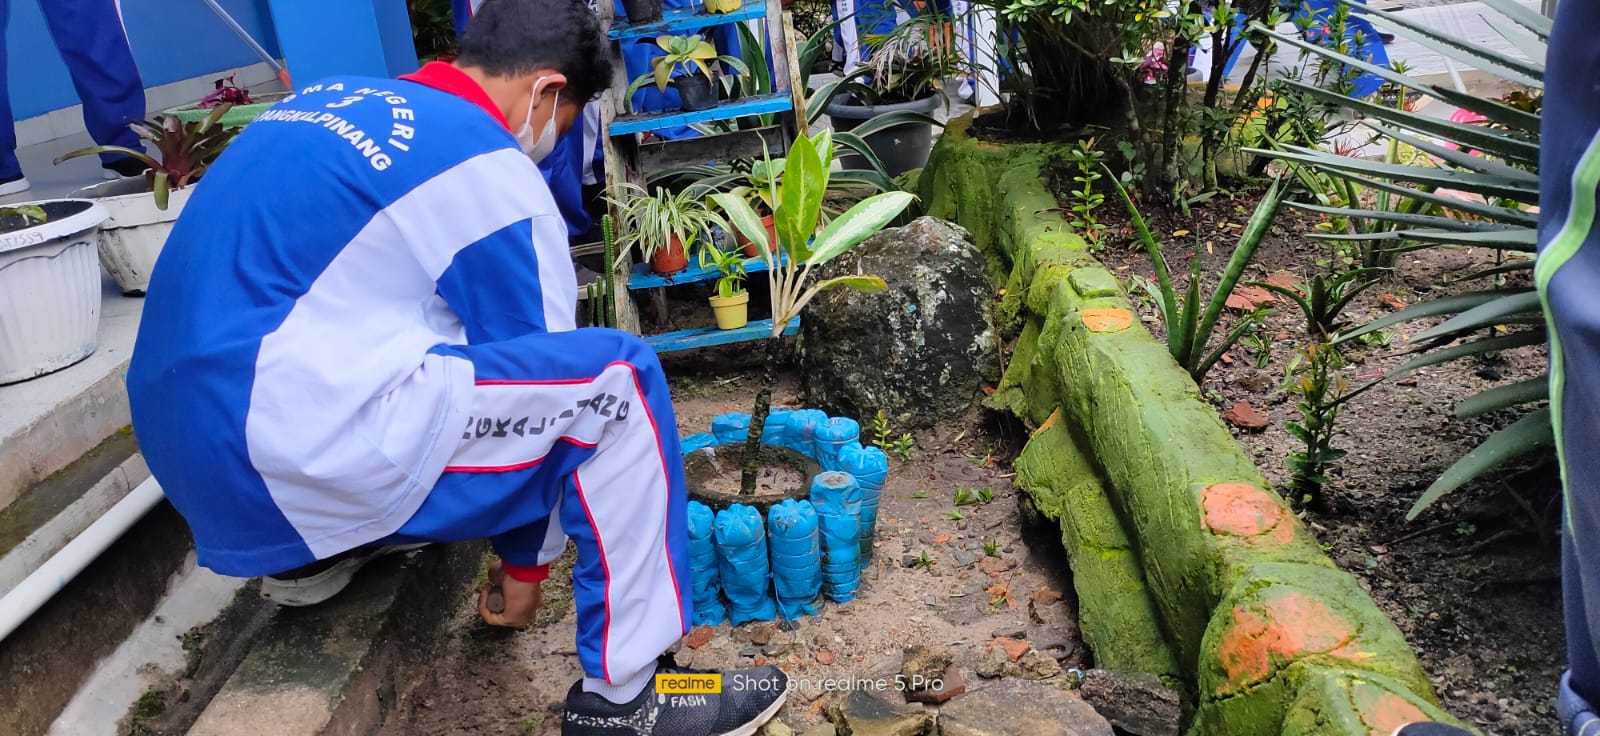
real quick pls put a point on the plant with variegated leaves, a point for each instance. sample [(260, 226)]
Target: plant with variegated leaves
[(803, 244), (1479, 184)]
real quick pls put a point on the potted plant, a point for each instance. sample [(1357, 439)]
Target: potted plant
[(666, 226), (641, 11), (694, 56), (243, 107), (722, 6), (731, 302), (903, 78), (142, 209), (49, 286), (803, 243)]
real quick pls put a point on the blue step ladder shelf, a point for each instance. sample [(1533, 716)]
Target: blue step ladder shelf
[(630, 153)]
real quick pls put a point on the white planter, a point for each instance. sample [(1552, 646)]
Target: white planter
[(132, 238), (49, 290)]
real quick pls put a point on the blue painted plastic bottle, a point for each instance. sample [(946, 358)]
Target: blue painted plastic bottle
[(730, 428), (703, 568), (803, 425), (796, 557), (697, 442), (837, 499), (776, 430), (871, 469), (834, 436), (742, 553)]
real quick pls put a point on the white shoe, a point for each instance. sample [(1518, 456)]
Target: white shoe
[(322, 580), (14, 186)]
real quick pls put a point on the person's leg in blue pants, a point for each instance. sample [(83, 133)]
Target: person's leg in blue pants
[(93, 43), (572, 434), (1568, 275)]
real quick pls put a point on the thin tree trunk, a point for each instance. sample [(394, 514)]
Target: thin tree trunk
[(758, 421), (1177, 76)]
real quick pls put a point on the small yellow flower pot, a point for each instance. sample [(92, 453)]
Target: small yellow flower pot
[(722, 6), (732, 312)]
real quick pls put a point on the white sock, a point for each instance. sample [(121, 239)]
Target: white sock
[(625, 689)]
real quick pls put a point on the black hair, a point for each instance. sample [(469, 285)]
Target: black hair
[(511, 38)]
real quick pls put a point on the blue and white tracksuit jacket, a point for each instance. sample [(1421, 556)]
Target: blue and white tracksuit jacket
[(361, 330)]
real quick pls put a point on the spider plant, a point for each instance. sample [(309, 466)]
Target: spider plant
[(654, 222)]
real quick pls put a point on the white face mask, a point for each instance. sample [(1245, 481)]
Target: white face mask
[(538, 149)]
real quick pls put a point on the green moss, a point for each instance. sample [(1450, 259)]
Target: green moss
[(1335, 702), (1116, 615)]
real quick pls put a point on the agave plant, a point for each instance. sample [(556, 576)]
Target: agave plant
[(803, 244), (1498, 163), (183, 150)]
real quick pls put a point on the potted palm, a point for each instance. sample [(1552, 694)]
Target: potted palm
[(666, 226), (686, 66), (803, 243), (142, 209), (49, 286), (731, 302)]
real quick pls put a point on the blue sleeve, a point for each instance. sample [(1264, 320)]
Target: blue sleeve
[(563, 172), (509, 283)]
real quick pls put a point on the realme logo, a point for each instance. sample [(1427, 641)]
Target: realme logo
[(687, 684)]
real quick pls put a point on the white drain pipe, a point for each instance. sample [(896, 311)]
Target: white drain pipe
[(44, 583)]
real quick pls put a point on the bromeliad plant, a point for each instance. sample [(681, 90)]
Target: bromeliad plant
[(688, 54), (1325, 297), (183, 150), (803, 244), (1483, 185), (1188, 328)]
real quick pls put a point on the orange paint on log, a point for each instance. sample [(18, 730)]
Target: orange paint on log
[(1288, 627), (1382, 711), (1107, 320), (1243, 510), (1049, 422)]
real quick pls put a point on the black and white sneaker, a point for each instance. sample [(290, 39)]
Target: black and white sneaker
[(748, 699), (14, 185), (123, 168), (1430, 729), (323, 579)]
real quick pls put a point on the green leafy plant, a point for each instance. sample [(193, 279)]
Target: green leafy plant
[(183, 150), (1086, 199), (991, 548), (688, 54), (1260, 345), (904, 447), (803, 244), (1496, 165), (954, 515), (26, 213), (1189, 323), (973, 496), (651, 223), (1326, 297), (881, 434), (1321, 393), (730, 264), (922, 561)]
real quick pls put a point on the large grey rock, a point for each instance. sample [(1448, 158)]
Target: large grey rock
[(1021, 708), (921, 352), (1139, 705), (863, 714)]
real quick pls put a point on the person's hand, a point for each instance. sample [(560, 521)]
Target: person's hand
[(508, 602)]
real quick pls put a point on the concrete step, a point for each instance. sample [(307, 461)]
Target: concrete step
[(341, 667)]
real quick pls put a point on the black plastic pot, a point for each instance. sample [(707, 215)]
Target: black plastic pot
[(696, 92), (901, 148), (642, 11)]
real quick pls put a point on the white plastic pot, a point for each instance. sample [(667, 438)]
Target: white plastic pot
[(49, 289), (132, 238)]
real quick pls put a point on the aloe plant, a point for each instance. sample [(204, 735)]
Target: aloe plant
[(183, 150), (1188, 327), (804, 243), (1499, 162)]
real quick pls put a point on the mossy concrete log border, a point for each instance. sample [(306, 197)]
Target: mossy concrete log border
[(1187, 564)]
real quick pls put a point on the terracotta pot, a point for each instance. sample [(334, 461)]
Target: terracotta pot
[(670, 259), (772, 239)]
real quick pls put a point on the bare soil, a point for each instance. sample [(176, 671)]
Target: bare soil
[(1474, 582), (943, 576), (770, 481)]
